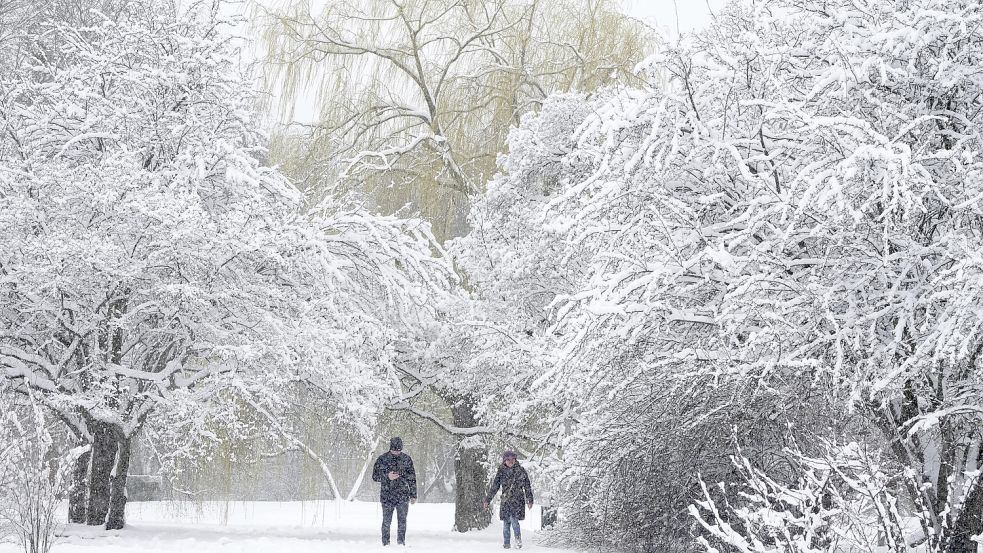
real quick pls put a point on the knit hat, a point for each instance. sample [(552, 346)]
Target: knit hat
[(509, 454), (396, 443)]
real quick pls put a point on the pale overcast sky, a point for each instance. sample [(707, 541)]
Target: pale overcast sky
[(662, 14)]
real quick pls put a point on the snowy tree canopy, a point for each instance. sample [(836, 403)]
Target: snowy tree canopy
[(796, 214), (147, 252)]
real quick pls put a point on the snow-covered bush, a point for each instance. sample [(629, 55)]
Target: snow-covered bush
[(770, 515), (33, 475), (851, 498)]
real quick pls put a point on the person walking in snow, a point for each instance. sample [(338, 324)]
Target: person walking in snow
[(516, 495), (397, 477)]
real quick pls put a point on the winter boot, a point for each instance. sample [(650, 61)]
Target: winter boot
[(518, 542), (506, 546)]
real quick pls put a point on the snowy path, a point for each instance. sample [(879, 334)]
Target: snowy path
[(272, 527)]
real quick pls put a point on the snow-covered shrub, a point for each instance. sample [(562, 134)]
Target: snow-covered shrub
[(852, 498), (768, 515), (33, 475)]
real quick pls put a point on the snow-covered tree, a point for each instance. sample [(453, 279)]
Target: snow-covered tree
[(788, 232), (149, 259)]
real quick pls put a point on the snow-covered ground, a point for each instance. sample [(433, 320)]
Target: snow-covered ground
[(272, 527)]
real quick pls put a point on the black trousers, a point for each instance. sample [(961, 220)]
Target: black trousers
[(401, 509)]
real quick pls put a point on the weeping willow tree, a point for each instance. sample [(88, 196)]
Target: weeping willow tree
[(414, 100)]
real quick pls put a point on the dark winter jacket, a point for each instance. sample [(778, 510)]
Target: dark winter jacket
[(516, 491), (398, 490)]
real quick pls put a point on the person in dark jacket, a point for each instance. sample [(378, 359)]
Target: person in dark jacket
[(516, 494), (394, 471)]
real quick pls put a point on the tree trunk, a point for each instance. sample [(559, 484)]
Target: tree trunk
[(969, 523), (471, 475), (76, 492), (101, 467), (117, 496)]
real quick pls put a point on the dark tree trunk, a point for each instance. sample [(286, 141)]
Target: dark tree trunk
[(76, 492), (969, 523), (471, 475), (102, 460), (104, 436), (117, 497)]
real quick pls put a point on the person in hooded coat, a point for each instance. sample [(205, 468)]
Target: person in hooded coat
[(513, 480), (397, 478)]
